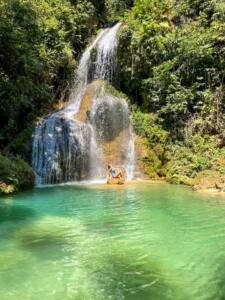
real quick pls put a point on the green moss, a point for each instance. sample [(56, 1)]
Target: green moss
[(113, 91), (15, 175), (149, 127)]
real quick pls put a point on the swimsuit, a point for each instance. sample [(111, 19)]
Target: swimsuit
[(113, 172)]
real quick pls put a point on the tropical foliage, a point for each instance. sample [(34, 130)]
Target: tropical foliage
[(15, 174), (39, 41), (175, 69)]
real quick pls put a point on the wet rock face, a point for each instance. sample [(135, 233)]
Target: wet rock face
[(114, 152), (77, 142), (66, 155), (109, 116), (92, 89)]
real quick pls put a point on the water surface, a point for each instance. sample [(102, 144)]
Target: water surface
[(145, 241)]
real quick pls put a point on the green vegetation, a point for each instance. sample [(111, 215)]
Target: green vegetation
[(182, 160), (115, 92), (173, 70), (15, 174), (115, 8), (39, 41), (155, 138)]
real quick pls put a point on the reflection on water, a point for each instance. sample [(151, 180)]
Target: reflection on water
[(148, 241)]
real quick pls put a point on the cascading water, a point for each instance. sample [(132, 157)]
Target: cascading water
[(105, 64), (77, 142)]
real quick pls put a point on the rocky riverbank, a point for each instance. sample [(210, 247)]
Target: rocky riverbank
[(208, 180)]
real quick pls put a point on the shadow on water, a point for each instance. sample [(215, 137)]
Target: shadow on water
[(45, 246), (124, 278), (14, 213)]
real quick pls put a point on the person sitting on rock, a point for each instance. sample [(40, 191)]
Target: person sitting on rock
[(119, 174), (113, 174)]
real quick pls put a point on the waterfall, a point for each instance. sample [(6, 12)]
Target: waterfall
[(105, 65), (76, 142)]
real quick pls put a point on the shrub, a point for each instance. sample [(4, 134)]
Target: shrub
[(15, 174)]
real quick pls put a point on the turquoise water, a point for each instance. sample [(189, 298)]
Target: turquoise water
[(147, 241)]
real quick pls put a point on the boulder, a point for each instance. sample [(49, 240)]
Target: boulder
[(116, 181)]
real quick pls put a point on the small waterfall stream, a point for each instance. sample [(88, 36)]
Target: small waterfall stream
[(105, 66), (93, 130)]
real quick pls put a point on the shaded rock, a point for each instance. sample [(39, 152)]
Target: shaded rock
[(109, 117)]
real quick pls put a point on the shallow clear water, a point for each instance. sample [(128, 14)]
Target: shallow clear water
[(146, 241)]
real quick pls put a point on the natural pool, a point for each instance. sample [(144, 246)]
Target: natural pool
[(141, 241)]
